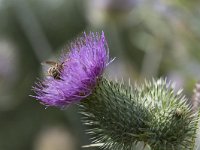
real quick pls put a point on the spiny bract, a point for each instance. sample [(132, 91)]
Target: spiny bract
[(121, 116)]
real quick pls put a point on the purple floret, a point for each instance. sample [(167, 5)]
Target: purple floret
[(83, 66)]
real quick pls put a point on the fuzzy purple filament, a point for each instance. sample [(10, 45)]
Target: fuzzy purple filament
[(83, 65)]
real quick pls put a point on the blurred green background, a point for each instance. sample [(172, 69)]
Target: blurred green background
[(149, 38)]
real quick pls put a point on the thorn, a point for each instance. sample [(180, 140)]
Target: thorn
[(93, 145)]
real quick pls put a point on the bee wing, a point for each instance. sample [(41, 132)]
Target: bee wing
[(49, 62)]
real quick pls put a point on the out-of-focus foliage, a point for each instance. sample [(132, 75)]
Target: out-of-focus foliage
[(149, 38)]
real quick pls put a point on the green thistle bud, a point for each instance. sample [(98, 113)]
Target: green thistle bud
[(120, 116)]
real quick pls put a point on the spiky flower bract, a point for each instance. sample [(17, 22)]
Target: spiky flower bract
[(81, 68), (120, 116)]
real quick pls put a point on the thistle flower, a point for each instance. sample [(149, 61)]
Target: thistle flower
[(80, 69), (118, 116)]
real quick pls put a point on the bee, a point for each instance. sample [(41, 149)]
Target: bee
[(55, 69), (178, 113)]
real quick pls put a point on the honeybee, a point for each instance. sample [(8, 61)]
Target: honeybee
[(55, 69), (178, 113)]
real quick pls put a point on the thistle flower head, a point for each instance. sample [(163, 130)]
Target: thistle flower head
[(79, 72)]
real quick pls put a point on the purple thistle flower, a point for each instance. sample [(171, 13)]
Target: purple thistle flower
[(81, 68)]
